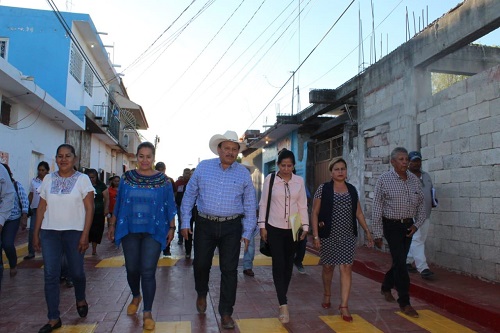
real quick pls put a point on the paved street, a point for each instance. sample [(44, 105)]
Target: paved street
[(23, 309)]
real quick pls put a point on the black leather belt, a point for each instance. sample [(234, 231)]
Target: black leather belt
[(218, 218), (409, 220)]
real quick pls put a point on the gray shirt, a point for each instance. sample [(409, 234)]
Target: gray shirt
[(426, 182), (7, 195)]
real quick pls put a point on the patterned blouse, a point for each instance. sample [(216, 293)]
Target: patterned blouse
[(145, 204)]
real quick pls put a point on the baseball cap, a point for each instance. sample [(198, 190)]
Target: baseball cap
[(413, 155)]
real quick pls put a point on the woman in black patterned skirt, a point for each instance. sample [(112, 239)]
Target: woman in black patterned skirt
[(335, 211)]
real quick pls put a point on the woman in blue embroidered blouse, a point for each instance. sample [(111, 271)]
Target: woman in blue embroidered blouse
[(143, 213), (62, 225)]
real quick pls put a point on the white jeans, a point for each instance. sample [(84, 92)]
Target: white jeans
[(417, 247)]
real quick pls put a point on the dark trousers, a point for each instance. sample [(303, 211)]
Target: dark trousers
[(226, 236), (399, 245), (9, 233), (300, 253), (282, 253), (188, 244)]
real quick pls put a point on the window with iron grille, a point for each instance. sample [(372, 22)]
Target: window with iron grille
[(328, 149), (75, 64), (88, 79), (3, 48)]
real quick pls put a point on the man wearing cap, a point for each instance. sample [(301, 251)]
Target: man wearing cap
[(417, 248), (225, 196), (398, 211)]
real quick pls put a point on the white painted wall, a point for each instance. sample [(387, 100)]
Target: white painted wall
[(42, 137)]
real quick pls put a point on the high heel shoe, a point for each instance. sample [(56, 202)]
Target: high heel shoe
[(347, 318), (326, 305), (132, 308)]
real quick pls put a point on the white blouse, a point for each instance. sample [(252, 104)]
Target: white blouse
[(64, 197)]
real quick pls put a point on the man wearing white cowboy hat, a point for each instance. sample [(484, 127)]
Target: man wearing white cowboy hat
[(225, 196)]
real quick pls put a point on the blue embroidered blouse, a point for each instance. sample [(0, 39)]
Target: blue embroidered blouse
[(145, 204)]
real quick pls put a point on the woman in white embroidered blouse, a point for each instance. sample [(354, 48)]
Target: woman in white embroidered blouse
[(62, 225)]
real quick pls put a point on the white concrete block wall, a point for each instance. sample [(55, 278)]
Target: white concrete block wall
[(460, 143)]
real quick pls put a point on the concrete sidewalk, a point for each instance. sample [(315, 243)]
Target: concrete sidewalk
[(464, 296)]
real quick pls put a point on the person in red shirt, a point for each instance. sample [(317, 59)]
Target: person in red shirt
[(114, 182)]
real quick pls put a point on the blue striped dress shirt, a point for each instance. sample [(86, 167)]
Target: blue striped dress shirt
[(220, 192)]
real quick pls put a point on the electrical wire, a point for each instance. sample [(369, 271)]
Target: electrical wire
[(76, 43), (203, 50), (164, 31), (40, 107), (255, 54), (225, 52), (259, 60), (163, 48), (355, 48), (306, 58)]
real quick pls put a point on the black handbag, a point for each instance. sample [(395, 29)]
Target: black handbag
[(264, 246)]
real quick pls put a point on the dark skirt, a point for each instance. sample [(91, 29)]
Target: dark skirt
[(97, 229)]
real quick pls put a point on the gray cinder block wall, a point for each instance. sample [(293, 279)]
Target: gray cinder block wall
[(460, 143)]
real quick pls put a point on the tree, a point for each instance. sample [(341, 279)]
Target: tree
[(441, 81)]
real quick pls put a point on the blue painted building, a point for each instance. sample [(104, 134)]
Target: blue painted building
[(63, 54)]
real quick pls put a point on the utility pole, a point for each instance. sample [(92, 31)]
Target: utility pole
[(293, 88), (157, 140)]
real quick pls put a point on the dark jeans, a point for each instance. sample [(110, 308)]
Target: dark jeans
[(31, 250), (226, 236), (282, 252), (141, 254), (179, 223), (9, 232), (54, 244), (399, 245), (300, 253)]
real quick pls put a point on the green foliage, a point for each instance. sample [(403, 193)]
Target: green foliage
[(441, 81)]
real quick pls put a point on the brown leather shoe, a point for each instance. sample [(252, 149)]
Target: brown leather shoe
[(388, 296), (409, 311), (248, 272), (227, 322), (201, 304)]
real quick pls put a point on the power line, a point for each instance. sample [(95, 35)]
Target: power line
[(174, 37), (263, 55), (307, 57), (76, 43), (354, 49), (164, 31), (225, 52), (255, 54), (203, 50)]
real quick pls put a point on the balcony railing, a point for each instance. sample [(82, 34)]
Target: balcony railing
[(109, 119)]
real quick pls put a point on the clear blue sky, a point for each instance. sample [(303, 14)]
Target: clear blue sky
[(239, 72)]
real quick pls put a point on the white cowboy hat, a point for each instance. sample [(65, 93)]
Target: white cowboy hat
[(228, 136)]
